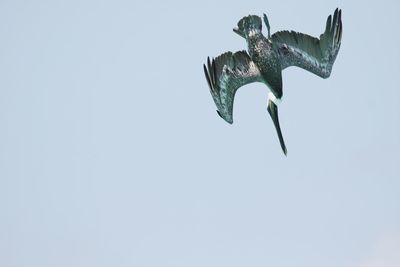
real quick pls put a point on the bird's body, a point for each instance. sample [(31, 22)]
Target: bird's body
[(266, 59)]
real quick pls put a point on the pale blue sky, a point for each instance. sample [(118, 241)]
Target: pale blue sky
[(112, 154)]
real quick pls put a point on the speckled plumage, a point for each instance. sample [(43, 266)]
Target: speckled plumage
[(265, 60)]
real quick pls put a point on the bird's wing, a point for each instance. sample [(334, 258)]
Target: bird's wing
[(225, 74), (310, 53)]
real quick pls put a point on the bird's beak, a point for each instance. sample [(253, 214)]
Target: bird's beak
[(273, 111)]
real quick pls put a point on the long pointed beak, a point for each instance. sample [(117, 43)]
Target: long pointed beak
[(273, 111)]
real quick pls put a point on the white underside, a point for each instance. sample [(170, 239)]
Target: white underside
[(273, 98)]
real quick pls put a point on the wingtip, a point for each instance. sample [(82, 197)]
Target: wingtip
[(207, 77), (328, 24), (211, 70), (338, 11), (228, 121)]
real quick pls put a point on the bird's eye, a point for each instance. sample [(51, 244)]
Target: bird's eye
[(284, 49)]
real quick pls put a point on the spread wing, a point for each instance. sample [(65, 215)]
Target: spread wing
[(310, 53), (225, 74)]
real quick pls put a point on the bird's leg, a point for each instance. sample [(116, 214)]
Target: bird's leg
[(267, 24)]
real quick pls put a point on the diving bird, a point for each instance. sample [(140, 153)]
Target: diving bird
[(265, 60)]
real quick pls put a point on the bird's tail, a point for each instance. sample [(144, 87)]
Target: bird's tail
[(248, 26)]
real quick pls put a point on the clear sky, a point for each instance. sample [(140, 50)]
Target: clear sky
[(112, 154)]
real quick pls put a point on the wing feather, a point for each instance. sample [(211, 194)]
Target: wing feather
[(310, 53), (227, 73)]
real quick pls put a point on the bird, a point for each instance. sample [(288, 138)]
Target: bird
[(265, 60)]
